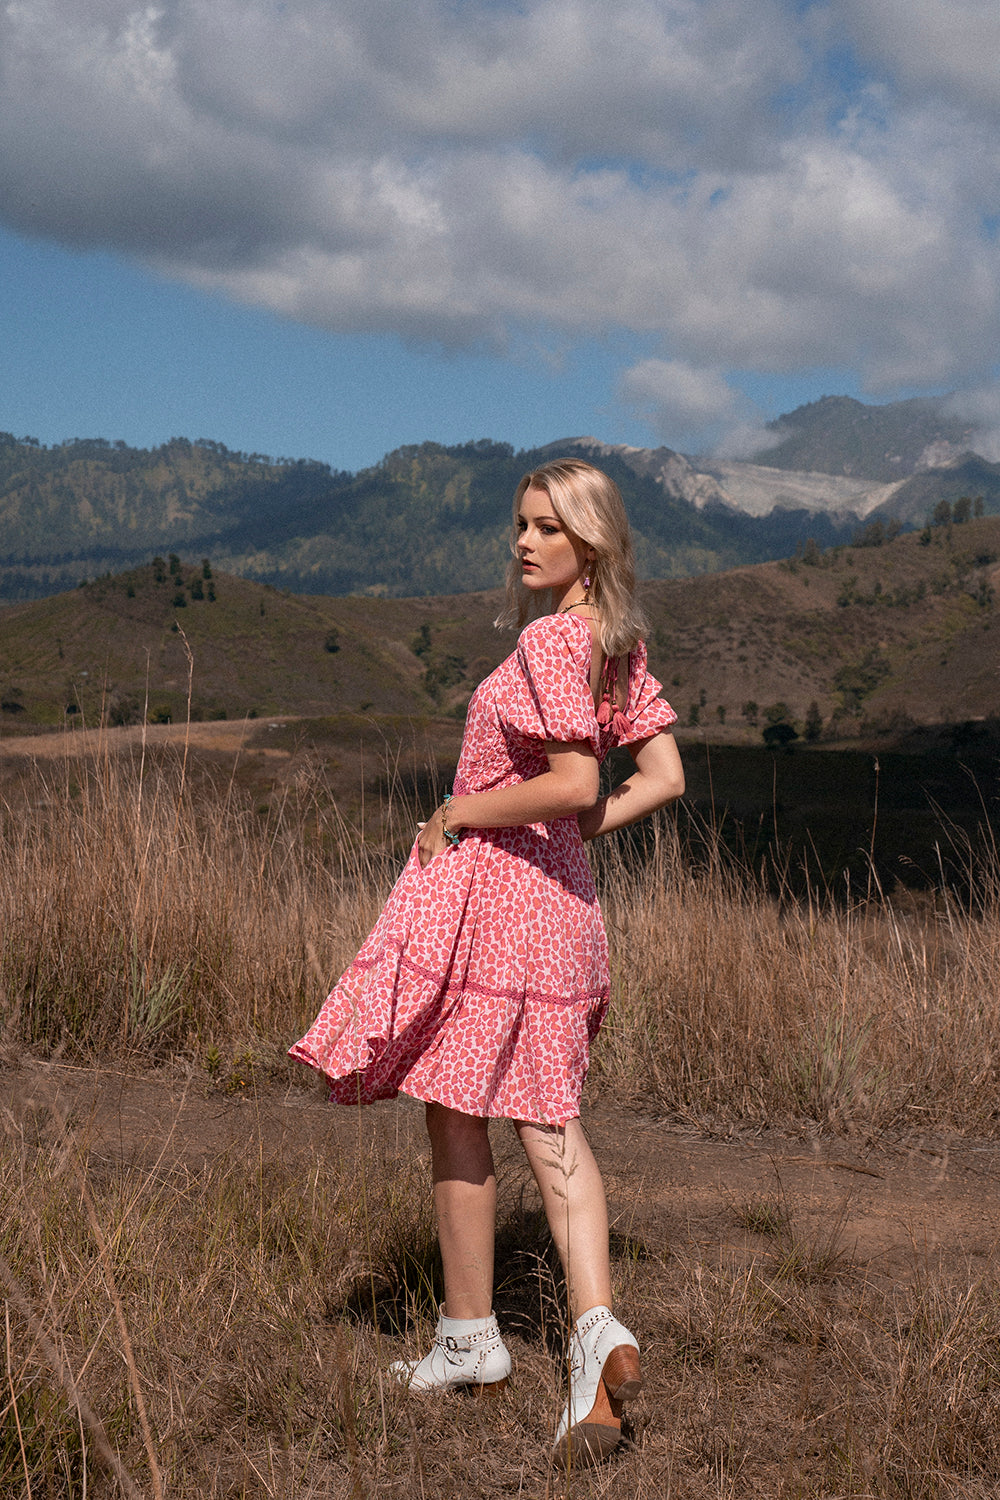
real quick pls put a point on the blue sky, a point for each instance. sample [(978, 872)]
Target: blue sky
[(316, 228)]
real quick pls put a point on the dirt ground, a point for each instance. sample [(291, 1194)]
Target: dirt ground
[(228, 735), (885, 1205)]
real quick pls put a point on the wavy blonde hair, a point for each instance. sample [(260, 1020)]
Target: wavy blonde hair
[(590, 506)]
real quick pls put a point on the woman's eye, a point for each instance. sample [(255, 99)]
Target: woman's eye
[(548, 530)]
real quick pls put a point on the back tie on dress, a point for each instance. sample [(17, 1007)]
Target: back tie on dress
[(605, 713)]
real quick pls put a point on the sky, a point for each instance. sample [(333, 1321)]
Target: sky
[(322, 228)]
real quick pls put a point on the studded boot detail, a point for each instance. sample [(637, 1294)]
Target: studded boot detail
[(604, 1373), (467, 1352)]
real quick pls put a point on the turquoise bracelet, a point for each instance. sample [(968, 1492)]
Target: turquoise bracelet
[(453, 838)]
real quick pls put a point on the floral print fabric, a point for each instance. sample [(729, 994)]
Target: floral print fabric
[(485, 979)]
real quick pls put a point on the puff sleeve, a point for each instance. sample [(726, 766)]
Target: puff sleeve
[(646, 712), (551, 697)]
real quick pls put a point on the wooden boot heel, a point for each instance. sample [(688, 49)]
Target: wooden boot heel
[(621, 1373), (488, 1391)]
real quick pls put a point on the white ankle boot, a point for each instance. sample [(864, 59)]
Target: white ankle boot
[(604, 1372), (466, 1352)]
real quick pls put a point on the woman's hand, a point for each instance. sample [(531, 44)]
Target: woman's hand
[(431, 841)]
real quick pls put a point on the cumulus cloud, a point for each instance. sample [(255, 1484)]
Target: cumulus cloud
[(697, 410), (980, 407), (949, 46), (493, 175)]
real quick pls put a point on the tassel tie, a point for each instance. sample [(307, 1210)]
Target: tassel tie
[(618, 720)]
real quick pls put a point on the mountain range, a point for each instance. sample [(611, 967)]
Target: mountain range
[(429, 519)]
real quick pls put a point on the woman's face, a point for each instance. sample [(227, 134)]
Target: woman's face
[(551, 556)]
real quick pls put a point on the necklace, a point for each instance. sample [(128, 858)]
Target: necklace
[(575, 604)]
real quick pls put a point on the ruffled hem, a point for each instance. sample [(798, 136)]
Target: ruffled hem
[(531, 1065)]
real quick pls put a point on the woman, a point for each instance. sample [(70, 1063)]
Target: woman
[(486, 977)]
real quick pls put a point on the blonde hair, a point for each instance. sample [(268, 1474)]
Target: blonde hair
[(590, 506)]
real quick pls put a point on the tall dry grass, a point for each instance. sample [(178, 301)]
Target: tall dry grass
[(864, 1013), (144, 911), (221, 1333)]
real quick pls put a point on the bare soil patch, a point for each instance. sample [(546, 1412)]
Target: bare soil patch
[(669, 1187), (846, 1242), (230, 735)]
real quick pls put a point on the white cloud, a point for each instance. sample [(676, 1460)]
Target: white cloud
[(949, 46), (675, 395), (980, 407), (503, 175), (694, 409)]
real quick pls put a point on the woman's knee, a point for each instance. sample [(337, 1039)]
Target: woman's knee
[(444, 1124)]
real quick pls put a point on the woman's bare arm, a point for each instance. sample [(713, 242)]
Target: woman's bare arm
[(658, 779)]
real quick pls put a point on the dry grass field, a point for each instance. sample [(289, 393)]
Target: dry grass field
[(206, 1270)]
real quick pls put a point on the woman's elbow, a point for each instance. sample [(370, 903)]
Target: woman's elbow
[(581, 791), (675, 784)]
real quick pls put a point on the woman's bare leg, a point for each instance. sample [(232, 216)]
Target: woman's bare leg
[(465, 1198), (569, 1181)]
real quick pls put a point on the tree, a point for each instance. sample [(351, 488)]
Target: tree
[(872, 535), (750, 711), (447, 672), (962, 510), (857, 679), (941, 514), (780, 736), (814, 723)]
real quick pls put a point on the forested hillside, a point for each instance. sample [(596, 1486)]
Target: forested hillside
[(427, 519)]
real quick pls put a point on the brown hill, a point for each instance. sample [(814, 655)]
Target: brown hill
[(878, 637)]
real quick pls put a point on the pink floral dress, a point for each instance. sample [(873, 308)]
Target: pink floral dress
[(485, 979)]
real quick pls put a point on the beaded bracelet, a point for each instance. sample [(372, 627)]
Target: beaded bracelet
[(453, 838)]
